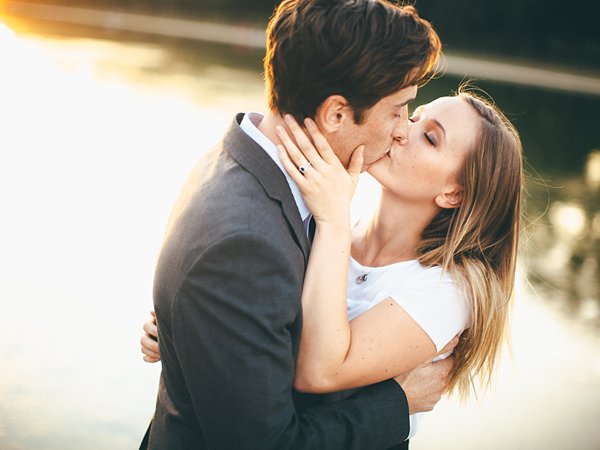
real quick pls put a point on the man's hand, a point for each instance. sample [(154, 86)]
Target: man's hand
[(425, 384), (149, 340)]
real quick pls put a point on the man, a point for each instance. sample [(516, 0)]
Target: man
[(229, 277)]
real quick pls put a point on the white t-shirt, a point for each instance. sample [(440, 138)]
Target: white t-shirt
[(428, 295)]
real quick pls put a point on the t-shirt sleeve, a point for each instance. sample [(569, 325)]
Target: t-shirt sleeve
[(434, 301)]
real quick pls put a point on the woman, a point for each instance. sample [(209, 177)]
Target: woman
[(437, 259)]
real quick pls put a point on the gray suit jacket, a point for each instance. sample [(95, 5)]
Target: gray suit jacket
[(227, 297)]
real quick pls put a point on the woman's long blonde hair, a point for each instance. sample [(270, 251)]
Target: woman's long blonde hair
[(477, 243)]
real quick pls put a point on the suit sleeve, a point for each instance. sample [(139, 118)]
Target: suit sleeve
[(232, 322)]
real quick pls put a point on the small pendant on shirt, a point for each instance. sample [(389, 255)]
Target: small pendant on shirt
[(361, 278)]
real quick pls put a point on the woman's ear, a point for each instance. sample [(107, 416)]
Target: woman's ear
[(332, 113), (450, 198)]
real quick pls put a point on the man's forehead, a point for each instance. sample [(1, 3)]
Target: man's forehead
[(404, 96)]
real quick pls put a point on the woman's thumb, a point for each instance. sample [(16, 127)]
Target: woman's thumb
[(356, 161)]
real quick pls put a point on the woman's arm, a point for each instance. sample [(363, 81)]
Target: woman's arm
[(335, 354), (382, 343)]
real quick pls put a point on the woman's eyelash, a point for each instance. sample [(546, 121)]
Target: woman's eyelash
[(431, 141)]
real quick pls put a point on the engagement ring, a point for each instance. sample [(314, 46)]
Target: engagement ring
[(304, 168)]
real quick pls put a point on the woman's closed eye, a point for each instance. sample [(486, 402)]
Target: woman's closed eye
[(430, 137)]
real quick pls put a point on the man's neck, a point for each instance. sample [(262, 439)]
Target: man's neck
[(273, 119), (268, 124)]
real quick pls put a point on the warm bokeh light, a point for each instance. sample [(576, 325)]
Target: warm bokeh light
[(568, 219), (592, 170)]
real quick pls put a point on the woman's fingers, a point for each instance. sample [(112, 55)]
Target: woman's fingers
[(321, 143), (294, 153), (291, 167), (149, 340), (149, 359), (151, 329), (306, 146), (149, 347)]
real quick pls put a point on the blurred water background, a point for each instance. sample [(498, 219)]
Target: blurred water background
[(99, 126)]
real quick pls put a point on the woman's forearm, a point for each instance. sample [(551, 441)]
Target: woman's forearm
[(326, 332), (335, 354)]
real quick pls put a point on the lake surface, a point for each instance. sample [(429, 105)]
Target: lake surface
[(96, 137)]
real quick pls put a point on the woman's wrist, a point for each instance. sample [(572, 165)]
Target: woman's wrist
[(334, 227), (340, 221)]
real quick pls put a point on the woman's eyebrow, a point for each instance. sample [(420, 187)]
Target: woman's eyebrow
[(439, 125), (434, 121)]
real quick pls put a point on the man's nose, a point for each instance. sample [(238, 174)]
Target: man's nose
[(402, 140), (401, 130), (401, 134)]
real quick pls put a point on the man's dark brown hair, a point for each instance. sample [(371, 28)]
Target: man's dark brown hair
[(364, 50)]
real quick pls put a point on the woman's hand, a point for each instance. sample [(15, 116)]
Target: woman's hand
[(327, 187), (149, 340)]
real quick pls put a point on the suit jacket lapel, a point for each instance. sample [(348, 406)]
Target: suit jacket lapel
[(256, 161)]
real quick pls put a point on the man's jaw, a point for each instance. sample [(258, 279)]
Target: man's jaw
[(367, 165), (386, 154)]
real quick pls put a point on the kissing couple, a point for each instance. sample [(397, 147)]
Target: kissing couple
[(280, 324)]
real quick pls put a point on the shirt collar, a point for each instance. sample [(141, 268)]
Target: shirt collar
[(249, 126)]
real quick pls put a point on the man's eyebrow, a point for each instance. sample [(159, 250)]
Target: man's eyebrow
[(406, 102)]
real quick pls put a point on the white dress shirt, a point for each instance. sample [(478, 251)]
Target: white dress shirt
[(249, 125)]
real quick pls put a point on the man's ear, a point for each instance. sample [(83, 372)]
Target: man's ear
[(451, 197), (332, 113)]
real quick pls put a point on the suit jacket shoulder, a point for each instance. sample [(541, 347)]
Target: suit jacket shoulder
[(236, 187)]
